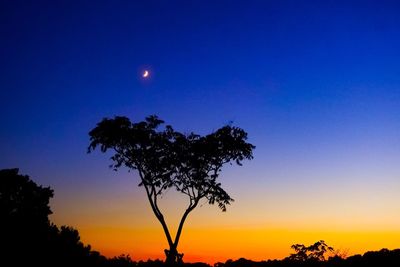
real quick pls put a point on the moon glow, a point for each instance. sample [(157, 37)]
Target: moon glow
[(145, 74)]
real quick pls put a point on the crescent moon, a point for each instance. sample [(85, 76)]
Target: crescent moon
[(145, 74)]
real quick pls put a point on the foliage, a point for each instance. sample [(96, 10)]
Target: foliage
[(382, 258), (315, 252), (27, 236), (166, 158), (122, 261), (22, 202)]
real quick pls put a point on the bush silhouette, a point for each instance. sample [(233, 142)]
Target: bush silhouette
[(24, 226), (315, 252), (27, 236)]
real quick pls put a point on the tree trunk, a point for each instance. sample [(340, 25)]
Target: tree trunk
[(173, 258)]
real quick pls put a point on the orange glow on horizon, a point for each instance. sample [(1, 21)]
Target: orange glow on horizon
[(219, 245), (256, 227)]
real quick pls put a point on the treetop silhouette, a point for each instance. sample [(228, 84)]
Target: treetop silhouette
[(165, 158), (27, 237), (314, 252), (22, 201)]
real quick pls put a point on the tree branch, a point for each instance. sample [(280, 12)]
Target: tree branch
[(156, 210), (182, 222)]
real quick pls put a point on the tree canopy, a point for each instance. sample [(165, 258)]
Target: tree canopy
[(22, 201), (314, 252), (27, 236), (166, 158)]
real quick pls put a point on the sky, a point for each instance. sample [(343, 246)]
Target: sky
[(316, 84)]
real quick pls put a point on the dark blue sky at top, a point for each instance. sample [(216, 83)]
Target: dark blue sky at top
[(302, 77)]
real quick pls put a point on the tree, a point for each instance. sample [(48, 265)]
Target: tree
[(315, 252), (165, 159), (22, 201), (24, 210), (28, 238)]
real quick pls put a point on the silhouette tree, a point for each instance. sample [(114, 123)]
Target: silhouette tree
[(22, 200), (24, 209), (165, 158), (27, 238), (315, 252)]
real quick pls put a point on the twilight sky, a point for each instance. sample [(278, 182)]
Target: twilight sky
[(316, 84)]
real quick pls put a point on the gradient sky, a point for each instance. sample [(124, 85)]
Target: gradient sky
[(316, 84)]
